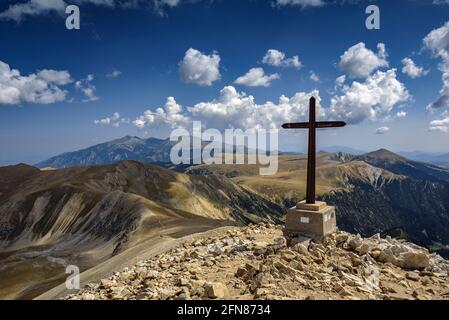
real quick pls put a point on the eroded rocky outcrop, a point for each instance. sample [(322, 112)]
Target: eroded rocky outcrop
[(256, 262)]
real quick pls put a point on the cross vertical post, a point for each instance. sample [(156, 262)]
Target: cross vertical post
[(310, 194)]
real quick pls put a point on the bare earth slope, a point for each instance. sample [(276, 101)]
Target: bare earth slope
[(84, 216)]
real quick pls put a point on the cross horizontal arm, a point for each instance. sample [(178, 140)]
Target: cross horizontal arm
[(302, 125), (319, 124), (330, 124)]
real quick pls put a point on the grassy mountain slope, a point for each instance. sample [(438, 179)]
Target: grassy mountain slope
[(377, 192), (86, 215), (418, 170)]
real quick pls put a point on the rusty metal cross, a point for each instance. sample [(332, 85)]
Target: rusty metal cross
[(312, 125)]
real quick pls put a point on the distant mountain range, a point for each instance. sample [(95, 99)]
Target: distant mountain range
[(333, 149), (157, 151), (441, 160), (150, 150)]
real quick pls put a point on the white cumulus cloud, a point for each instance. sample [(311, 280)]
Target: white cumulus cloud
[(360, 62), (340, 81), (114, 74), (371, 100), (401, 114), (382, 130), (301, 3), (256, 77), (42, 87), (232, 109), (237, 110), (313, 76), (170, 3), (374, 100), (170, 115), (160, 6), (441, 125), (438, 42), (60, 78), (20, 11), (277, 58), (113, 120), (87, 88), (412, 70), (199, 68)]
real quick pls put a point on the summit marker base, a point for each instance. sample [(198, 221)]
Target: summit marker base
[(311, 220)]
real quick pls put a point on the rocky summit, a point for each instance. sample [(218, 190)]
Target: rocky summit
[(259, 262)]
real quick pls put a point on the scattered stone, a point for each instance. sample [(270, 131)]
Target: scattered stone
[(183, 282), (260, 248), (280, 243), (412, 276), (398, 296), (216, 290), (87, 296), (414, 260), (152, 274), (420, 294), (184, 294), (431, 291), (241, 272), (363, 249), (426, 281), (301, 248), (106, 283), (288, 255), (255, 262), (389, 287), (341, 238), (355, 242), (215, 249), (375, 254)]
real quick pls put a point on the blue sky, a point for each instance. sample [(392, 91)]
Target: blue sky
[(148, 47)]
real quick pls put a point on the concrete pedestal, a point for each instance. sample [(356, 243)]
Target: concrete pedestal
[(311, 220)]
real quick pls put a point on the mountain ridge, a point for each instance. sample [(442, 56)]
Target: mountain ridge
[(151, 150), (438, 159), (157, 151), (401, 165)]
